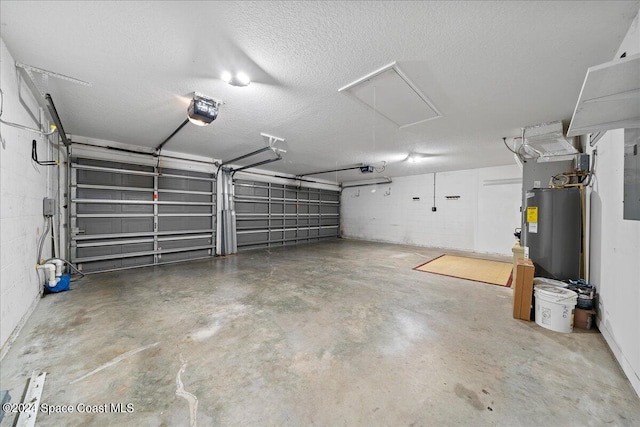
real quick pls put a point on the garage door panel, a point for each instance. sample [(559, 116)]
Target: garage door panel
[(115, 249), (246, 190), (249, 207), (92, 208), (137, 209), (89, 193), (290, 209), (328, 232), (184, 197), (93, 226), (251, 224), (330, 196), (329, 221), (186, 185), (145, 196), (136, 181), (137, 225), (130, 228), (328, 209), (184, 256), (290, 214), (162, 209), (97, 266), (98, 178), (99, 226), (184, 223), (186, 243), (109, 194), (253, 238), (276, 235)]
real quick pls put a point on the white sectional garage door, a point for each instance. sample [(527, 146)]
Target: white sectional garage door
[(125, 215)]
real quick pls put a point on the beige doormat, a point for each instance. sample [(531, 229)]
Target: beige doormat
[(479, 270)]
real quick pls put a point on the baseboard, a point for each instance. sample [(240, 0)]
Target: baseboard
[(16, 332), (619, 355)]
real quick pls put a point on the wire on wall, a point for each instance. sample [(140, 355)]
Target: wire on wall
[(434, 208), (34, 156), (16, 125), (521, 151)]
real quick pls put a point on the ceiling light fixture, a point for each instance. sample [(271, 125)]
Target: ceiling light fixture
[(202, 109), (240, 79)]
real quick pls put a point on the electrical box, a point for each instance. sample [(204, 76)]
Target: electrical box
[(48, 207), (366, 169), (582, 162)]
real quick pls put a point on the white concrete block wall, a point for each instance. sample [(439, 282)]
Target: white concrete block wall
[(23, 185), (481, 220), (615, 244)]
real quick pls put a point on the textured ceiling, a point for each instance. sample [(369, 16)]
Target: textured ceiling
[(489, 67)]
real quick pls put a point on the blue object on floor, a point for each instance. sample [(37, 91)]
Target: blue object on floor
[(62, 285)]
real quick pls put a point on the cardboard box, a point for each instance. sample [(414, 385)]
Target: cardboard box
[(523, 292), (518, 253), (583, 319)]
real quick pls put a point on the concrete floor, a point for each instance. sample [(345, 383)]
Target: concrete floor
[(327, 334)]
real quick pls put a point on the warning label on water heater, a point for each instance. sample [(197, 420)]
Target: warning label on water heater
[(532, 219)]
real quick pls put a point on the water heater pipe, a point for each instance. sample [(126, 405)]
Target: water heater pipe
[(50, 271), (58, 263)]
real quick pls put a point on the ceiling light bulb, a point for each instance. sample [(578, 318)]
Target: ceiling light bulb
[(242, 79), (197, 122), (239, 79), (226, 77)]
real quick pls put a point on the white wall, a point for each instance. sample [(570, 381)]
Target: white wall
[(482, 220), (615, 246), (23, 185)]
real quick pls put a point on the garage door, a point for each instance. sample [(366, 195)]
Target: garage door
[(273, 214), (124, 215)]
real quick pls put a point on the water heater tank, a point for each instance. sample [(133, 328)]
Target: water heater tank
[(553, 230)]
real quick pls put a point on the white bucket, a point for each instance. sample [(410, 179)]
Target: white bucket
[(555, 307)]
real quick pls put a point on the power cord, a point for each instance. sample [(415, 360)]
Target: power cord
[(34, 156)]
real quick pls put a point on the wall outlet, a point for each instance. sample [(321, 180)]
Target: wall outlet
[(536, 184)]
